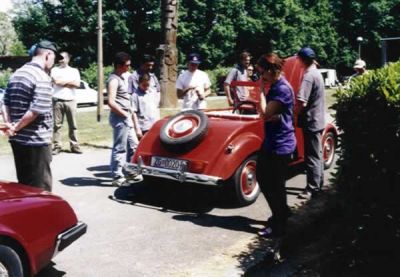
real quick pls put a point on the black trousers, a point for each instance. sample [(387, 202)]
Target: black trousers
[(271, 177), (32, 164)]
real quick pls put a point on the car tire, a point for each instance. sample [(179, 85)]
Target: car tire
[(245, 182), (10, 262), (183, 131), (328, 149)]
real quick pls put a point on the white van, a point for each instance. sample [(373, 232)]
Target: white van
[(330, 77)]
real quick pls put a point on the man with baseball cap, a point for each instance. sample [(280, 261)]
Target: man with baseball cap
[(311, 117), (360, 69), (193, 85), (28, 115)]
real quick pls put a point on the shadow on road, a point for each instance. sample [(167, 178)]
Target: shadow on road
[(101, 177), (50, 271), (235, 223), (173, 197)]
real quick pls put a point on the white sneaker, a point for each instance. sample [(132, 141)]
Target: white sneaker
[(134, 178), (118, 182)]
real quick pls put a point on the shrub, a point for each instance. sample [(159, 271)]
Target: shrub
[(217, 77), (368, 176), (4, 77), (368, 113), (89, 74)]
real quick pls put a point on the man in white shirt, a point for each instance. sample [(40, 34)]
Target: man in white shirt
[(65, 79), (193, 85)]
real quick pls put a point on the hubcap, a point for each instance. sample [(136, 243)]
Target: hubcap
[(328, 149), (248, 178), (3, 271), (183, 126)]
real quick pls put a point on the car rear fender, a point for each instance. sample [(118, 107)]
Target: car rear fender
[(235, 153), (12, 239)]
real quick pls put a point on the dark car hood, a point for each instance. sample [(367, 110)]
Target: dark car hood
[(10, 190)]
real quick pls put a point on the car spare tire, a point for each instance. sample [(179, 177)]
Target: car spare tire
[(184, 130)]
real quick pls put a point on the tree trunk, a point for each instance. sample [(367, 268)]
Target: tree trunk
[(168, 53)]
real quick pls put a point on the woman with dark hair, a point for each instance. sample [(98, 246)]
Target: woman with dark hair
[(276, 107)]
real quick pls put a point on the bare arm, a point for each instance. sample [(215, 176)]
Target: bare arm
[(6, 114), (25, 120), (271, 111), (227, 90), (181, 93), (138, 131), (112, 92), (207, 92)]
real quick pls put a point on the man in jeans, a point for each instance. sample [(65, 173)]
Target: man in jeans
[(311, 111), (120, 115), (27, 111), (66, 79)]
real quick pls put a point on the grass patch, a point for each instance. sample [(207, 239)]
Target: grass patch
[(99, 134), (90, 132)]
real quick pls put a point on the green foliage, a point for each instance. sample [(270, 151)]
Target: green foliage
[(368, 113), (89, 74), (218, 30), (216, 76), (18, 49), (4, 77)]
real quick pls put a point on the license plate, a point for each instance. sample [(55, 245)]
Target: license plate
[(168, 163)]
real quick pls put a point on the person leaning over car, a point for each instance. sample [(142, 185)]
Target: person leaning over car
[(66, 79), (311, 118), (120, 115), (276, 107), (238, 73), (28, 115), (193, 85)]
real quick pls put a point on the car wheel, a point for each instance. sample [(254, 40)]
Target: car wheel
[(184, 130), (328, 149), (246, 186), (10, 263)]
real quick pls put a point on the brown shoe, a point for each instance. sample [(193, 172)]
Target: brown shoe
[(76, 149)]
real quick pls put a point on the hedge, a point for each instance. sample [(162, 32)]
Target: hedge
[(368, 114)]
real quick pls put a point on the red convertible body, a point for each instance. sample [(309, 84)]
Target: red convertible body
[(34, 226), (216, 147)]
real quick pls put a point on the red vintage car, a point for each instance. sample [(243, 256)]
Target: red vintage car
[(34, 226), (218, 147)]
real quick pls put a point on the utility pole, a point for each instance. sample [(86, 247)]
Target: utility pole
[(168, 53), (100, 77)]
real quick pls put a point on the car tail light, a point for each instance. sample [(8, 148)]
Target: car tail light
[(197, 166), (145, 158)]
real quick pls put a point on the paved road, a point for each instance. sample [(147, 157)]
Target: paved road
[(151, 230)]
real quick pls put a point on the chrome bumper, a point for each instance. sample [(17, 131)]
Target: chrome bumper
[(175, 175), (69, 236)]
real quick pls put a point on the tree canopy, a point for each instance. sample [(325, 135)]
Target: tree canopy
[(217, 29)]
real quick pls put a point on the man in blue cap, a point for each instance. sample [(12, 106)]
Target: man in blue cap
[(193, 85), (311, 111)]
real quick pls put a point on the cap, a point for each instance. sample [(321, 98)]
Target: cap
[(45, 44), (359, 64), (194, 58), (307, 52)]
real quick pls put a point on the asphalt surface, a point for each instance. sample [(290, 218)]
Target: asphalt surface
[(152, 229)]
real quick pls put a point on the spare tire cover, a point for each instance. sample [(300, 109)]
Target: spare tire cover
[(184, 130)]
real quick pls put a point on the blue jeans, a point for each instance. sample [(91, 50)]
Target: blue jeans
[(121, 147)]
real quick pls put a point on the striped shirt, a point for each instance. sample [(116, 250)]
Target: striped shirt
[(29, 88)]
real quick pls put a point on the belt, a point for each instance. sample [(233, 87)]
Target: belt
[(61, 100)]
